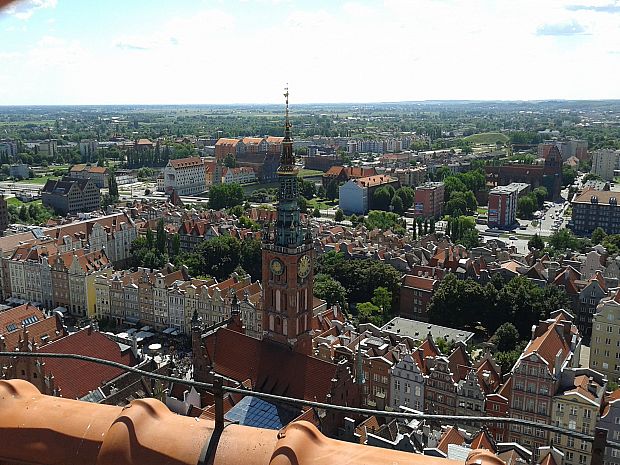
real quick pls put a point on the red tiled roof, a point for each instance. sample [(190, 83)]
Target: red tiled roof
[(186, 162), (270, 366), (482, 440), (371, 181), (450, 436), (51, 328), (548, 345), (419, 282), (227, 141), (77, 378)]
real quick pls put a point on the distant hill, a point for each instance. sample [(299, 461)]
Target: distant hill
[(487, 138)]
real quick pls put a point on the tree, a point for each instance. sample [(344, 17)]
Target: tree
[(506, 337), (161, 237), (397, 205), (470, 239), (564, 239), (536, 243), (369, 313), (455, 206), (113, 187), (381, 199), (407, 195), (175, 246), (251, 257), (332, 190), (598, 235), (225, 196), (316, 212), (525, 207), (330, 290), (306, 188), (218, 257), (569, 174), (303, 204), (382, 298), (541, 194), (339, 215), (230, 161)]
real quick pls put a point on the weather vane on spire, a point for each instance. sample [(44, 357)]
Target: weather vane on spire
[(287, 123)]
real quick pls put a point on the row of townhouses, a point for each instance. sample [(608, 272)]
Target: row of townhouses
[(168, 298), (402, 368)]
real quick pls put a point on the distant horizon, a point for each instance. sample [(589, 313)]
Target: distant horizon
[(243, 52), (293, 104)]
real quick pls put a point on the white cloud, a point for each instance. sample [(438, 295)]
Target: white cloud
[(376, 50), (26, 8)]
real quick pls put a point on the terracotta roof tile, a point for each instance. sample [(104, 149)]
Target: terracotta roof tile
[(269, 365), (77, 378), (450, 436)]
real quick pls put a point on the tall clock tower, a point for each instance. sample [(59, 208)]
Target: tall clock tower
[(288, 260)]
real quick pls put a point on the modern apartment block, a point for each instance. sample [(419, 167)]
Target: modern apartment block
[(71, 195), (185, 176), (503, 206), (594, 208), (429, 200), (605, 163)]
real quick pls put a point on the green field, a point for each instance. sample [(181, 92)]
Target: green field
[(304, 173), (18, 203), (321, 204), (487, 138), (42, 180)]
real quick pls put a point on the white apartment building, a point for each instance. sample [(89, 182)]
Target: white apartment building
[(241, 175), (605, 163), (186, 176)]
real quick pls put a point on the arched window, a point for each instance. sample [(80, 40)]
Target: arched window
[(277, 300)]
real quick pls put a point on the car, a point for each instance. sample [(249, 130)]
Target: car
[(523, 227), (513, 238)]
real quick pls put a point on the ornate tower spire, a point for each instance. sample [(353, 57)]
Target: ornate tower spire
[(287, 159)]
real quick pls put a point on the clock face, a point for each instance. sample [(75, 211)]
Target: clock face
[(303, 268), (277, 267)]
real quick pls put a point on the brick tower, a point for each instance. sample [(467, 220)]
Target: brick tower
[(288, 260)]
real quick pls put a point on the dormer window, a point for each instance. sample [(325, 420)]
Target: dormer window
[(594, 199)]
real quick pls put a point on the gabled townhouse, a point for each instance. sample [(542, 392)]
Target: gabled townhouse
[(408, 376), (554, 347), (605, 350), (44, 275), (590, 294), (576, 406), (440, 393), (610, 420)]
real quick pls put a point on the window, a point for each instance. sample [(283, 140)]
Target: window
[(572, 424), (570, 442)]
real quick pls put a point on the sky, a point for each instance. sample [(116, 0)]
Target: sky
[(327, 51)]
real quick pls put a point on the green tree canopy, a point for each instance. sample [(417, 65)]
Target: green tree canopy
[(536, 242), (330, 290), (225, 196), (382, 198), (506, 337), (598, 235)]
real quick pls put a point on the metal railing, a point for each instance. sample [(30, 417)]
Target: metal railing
[(599, 440)]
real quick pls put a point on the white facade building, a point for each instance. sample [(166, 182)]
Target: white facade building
[(186, 176)]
